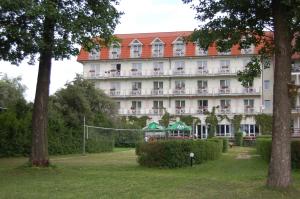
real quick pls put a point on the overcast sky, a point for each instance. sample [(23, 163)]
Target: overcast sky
[(140, 16)]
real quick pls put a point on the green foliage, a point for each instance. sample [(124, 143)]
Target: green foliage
[(165, 119), (225, 143), (189, 120), (236, 121), (265, 123), (128, 138), (212, 121), (252, 70), (238, 138), (71, 22), (264, 145), (175, 153), (15, 120), (68, 106)]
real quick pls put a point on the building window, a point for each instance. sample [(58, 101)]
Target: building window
[(225, 106), (157, 48), (136, 107), (202, 106), (179, 87), (250, 129), (136, 49), (224, 130), (224, 86), (249, 105), (267, 104), (115, 70), (225, 66), (202, 66), (158, 107), (158, 87), (200, 51), (202, 86), (95, 53), (158, 68), (179, 47), (94, 70), (179, 67), (115, 51), (248, 50), (136, 69), (136, 88), (266, 84), (115, 88), (179, 106)]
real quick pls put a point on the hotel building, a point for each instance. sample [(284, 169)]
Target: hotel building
[(150, 73)]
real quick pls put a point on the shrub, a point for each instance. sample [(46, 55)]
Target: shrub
[(264, 146), (238, 138), (101, 145), (175, 153), (249, 142), (264, 136), (223, 142)]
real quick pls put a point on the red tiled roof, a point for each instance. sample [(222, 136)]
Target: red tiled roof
[(147, 38)]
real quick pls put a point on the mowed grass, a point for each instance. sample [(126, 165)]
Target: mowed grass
[(117, 175)]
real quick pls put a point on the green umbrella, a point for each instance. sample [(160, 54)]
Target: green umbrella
[(154, 126), (179, 126)]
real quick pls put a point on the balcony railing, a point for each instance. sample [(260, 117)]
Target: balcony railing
[(202, 71), (136, 92), (225, 110), (135, 111), (224, 70), (248, 109), (158, 111), (157, 92), (157, 72), (179, 72), (296, 109), (202, 91), (224, 90), (179, 91), (180, 111), (136, 73), (202, 109), (114, 92)]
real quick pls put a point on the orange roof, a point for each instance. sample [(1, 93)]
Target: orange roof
[(146, 38)]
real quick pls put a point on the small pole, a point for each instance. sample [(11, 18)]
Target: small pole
[(83, 135)]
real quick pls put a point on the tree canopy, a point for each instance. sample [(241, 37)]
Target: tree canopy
[(226, 23)]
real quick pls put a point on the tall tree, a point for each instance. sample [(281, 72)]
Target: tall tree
[(51, 29), (228, 22)]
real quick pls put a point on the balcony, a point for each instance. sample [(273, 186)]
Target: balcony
[(202, 71), (179, 91), (114, 55), (157, 92), (114, 92), (202, 91), (202, 110), (224, 71), (296, 110), (225, 110), (136, 92), (136, 72), (224, 90), (157, 111), (113, 73), (178, 53), (179, 110), (249, 109), (179, 71), (135, 111), (295, 132)]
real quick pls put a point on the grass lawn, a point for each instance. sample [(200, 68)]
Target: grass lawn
[(117, 175)]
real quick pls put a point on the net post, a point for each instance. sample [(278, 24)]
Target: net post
[(83, 147)]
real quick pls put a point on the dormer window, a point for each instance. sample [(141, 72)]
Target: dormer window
[(179, 47), (115, 51), (200, 51), (249, 50), (157, 48), (95, 53), (136, 49), (227, 52)]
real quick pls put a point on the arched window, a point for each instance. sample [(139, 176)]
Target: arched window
[(115, 51), (135, 49), (157, 48), (179, 47)]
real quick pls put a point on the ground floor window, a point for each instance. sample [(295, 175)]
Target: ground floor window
[(202, 131), (250, 129), (224, 130)]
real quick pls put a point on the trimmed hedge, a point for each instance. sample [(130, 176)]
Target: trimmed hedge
[(264, 146), (175, 153), (225, 143)]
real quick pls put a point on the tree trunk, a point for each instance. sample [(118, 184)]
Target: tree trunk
[(39, 148), (280, 165)]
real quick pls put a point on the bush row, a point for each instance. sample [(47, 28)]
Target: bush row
[(175, 153), (264, 145)]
